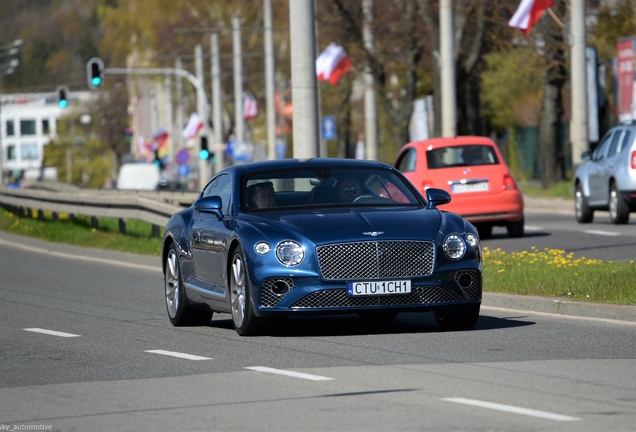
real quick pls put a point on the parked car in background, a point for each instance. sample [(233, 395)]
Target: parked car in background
[(473, 171), (606, 180), (268, 240)]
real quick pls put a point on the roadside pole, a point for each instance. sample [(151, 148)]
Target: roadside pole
[(304, 82)]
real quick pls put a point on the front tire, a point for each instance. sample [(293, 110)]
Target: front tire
[(179, 310), (583, 212), (243, 317), (458, 318), (618, 209)]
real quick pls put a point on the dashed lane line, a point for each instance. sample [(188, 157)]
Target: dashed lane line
[(512, 409), (289, 373), (50, 332), (178, 354), (603, 233)]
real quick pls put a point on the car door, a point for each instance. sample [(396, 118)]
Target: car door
[(209, 237), (598, 172)]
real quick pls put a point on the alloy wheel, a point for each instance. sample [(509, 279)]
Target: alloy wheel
[(172, 284), (237, 287)]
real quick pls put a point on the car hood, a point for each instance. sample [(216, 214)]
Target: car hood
[(338, 225)]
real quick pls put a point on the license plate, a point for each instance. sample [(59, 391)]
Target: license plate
[(367, 288), (469, 187)]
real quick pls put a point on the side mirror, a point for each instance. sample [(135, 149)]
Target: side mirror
[(586, 156), (437, 197), (210, 204)]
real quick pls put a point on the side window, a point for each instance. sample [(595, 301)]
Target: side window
[(613, 148), (407, 162), (221, 186), (627, 140), (600, 151)]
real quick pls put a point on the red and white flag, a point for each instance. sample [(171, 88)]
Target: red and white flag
[(250, 107), (193, 127), (332, 64), (528, 13)]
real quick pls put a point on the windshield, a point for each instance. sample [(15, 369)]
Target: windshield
[(323, 186), (464, 155)]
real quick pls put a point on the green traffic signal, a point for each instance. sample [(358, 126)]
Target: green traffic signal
[(62, 96), (95, 73)]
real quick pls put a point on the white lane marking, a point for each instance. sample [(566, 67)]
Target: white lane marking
[(50, 332), (80, 257), (512, 409), (603, 233), (289, 373), (178, 354), (532, 228), (558, 315)]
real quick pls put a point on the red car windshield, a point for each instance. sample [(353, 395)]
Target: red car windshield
[(465, 155)]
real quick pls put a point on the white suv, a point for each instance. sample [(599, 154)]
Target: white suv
[(606, 180)]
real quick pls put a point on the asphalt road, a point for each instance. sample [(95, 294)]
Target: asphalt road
[(550, 223), (87, 346)]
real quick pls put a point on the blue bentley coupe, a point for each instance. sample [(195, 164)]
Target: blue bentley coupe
[(268, 240)]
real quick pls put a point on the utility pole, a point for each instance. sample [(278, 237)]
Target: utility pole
[(217, 99), (238, 80), (449, 102), (304, 83), (370, 104), (269, 80), (180, 115), (202, 107), (578, 124)]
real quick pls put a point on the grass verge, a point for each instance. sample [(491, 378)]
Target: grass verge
[(552, 273), (138, 238)]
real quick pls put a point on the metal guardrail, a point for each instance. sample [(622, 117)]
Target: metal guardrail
[(155, 207)]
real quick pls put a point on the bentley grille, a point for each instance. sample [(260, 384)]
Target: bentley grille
[(376, 259), (339, 299)]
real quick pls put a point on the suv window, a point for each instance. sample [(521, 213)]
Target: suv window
[(627, 139), (615, 141), (599, 153)]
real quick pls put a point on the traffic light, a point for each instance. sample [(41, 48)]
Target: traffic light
[(62, 96), (95, 73), (158, 161), (204, 153)]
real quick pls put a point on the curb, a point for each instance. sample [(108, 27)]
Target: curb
[(560, 307)]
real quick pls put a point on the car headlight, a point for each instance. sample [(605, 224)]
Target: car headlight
[(471, 239), (454, 247), (290, 253), (262, 248)]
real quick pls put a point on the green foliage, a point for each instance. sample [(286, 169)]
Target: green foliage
[(511, 78)]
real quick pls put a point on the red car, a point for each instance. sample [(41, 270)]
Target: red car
[(472, 170)]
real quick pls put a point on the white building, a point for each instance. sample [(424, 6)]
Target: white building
[(27, 124)]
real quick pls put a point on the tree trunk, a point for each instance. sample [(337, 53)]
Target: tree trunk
[(552, 104)]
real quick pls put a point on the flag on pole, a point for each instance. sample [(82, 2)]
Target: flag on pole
[(250, 106), (193, 127), (332, 64), (528, 13)]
